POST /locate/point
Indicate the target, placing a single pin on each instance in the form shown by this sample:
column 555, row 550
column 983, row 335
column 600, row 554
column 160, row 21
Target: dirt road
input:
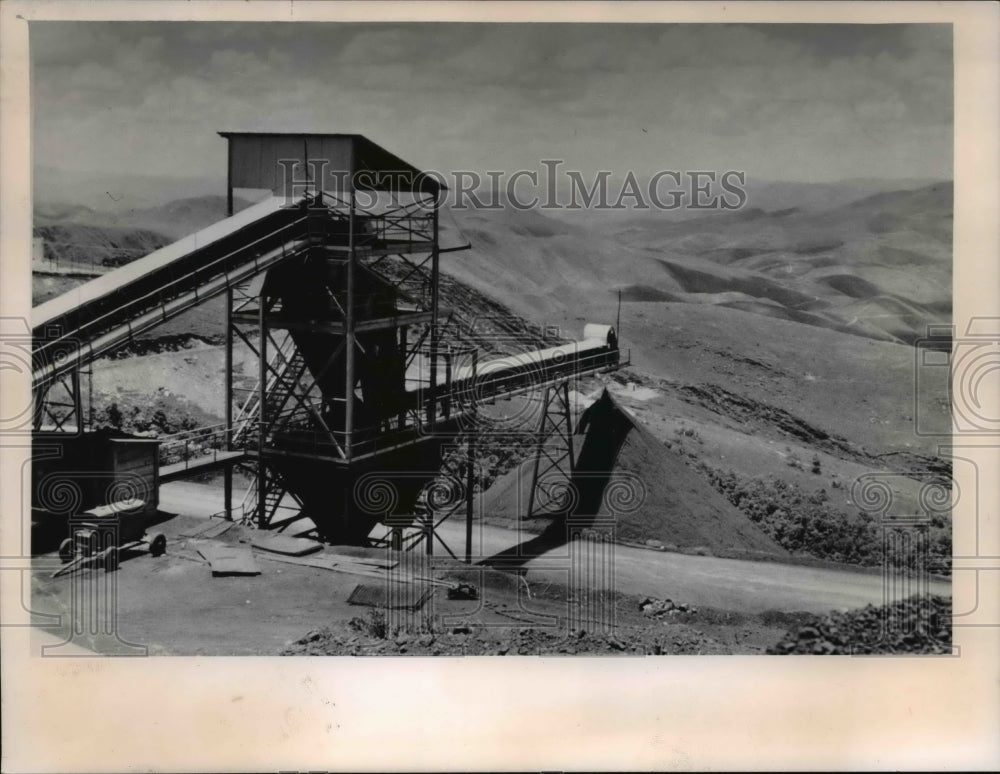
column 728, row 584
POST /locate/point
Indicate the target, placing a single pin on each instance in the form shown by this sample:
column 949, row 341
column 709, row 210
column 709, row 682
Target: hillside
column 794, row 308
column 101, row 247
column 174, row 219
column 878, row 267
column 768, row 351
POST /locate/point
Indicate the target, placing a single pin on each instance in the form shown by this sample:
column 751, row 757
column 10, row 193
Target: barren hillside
column 770, row 349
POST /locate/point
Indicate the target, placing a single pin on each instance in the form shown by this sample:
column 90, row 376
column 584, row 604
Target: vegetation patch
column 808, row 523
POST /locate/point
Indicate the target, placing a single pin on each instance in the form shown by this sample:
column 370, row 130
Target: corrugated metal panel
column 254, row 161
column 337, row 151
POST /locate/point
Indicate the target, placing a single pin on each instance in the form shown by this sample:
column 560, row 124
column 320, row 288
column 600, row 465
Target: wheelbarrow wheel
column 111, row 559
column 158, row 545
column 66, row 550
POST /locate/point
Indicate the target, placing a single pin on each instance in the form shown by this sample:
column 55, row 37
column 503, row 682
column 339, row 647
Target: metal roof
column 366, row 156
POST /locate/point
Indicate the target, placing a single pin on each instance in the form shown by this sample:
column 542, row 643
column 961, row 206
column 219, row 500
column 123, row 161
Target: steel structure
column 332, row 286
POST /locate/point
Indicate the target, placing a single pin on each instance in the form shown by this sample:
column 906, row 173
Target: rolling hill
column 878, row 267
column 758, row 338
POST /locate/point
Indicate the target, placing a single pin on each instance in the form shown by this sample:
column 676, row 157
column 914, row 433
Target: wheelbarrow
column 96, row 528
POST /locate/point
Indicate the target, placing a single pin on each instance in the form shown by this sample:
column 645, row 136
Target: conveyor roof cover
column 114, row 280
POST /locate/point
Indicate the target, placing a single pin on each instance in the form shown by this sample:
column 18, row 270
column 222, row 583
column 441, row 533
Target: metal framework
column 554, row 465
column 336, row 302
column 333, row 335
column 60, row 406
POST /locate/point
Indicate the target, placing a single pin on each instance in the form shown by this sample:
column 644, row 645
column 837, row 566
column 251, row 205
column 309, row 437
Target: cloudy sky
column 782, row 102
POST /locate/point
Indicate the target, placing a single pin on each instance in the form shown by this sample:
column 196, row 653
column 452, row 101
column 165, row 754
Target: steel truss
column 394, row 251
column 552, row 476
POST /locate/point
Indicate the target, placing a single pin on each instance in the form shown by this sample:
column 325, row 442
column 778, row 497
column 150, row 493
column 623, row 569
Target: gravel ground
column 357, row 639
column 913, row 625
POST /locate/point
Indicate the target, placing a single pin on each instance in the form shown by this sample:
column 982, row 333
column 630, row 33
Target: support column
column 262, row 430
column 446, row 400
column 229, row 177
column 556, row 421
column 349, row 335
column 90, row 397
column 77, row 399
column 228, row 445
column 470, row 478
column 435, row 256
column 38, row 407
column 403, row 352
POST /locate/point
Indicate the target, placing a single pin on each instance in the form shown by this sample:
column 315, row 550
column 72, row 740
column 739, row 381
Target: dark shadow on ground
column 604, row 430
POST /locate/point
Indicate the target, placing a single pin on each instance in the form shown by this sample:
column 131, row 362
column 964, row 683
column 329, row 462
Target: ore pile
column 466, row 640
column 624, row 476
column 913, row 625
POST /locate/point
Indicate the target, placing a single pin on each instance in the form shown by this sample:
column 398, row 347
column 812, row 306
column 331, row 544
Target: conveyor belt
column 94, row 319
column 101, row 315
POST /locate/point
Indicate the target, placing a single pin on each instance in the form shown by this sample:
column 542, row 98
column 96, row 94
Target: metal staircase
column 274, row 493
column 287, row 371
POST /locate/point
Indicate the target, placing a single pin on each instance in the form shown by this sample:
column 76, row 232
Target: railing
column 452, row 399
column 238, row 513
column 249, row 412
column 197, row 444
column 407, row 225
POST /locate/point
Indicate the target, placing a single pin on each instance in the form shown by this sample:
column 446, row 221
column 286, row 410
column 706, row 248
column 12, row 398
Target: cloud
column 928, row 37
column 771, row 99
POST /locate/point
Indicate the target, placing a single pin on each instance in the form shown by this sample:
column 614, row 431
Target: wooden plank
column 199, row 530
column 217, row 529
column 229, row 559
column 284, row 544
column 323, row 562
column 382, row 564
column 379, row 596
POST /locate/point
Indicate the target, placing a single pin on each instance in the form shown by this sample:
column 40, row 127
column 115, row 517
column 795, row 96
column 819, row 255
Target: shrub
column 375, row 624
column 808, row 523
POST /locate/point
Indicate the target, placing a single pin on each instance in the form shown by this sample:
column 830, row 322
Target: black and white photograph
column 495, row 339
column 643, row 387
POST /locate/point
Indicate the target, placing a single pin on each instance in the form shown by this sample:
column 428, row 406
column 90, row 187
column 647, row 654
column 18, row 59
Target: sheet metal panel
column 254, row 161
column 337, row 150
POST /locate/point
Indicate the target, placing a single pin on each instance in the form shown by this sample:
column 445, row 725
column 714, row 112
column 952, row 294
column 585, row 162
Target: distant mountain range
column 767, row 336
column 119, row 191
column 173, row 219
column 877, row 266
column 849, row 257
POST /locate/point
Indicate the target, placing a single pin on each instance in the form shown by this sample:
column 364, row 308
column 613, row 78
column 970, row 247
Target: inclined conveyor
column 99, row 316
